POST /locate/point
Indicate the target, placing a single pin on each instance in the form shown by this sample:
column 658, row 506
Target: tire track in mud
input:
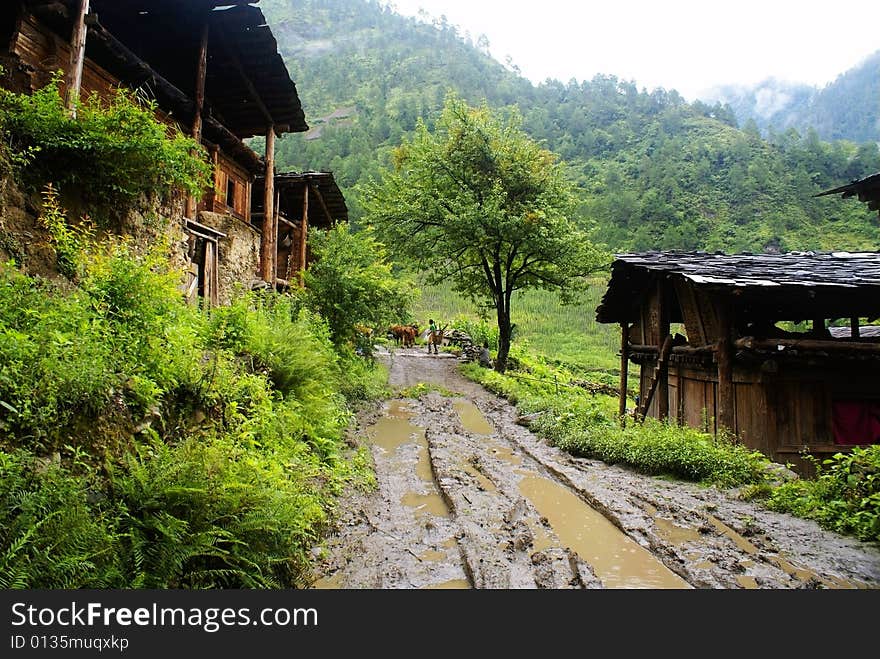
column 468, row 497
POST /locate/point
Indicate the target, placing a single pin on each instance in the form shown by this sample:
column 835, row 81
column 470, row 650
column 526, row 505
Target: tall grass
column 567, row 333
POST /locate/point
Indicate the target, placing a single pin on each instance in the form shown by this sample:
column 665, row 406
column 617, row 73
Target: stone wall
column 147, row 224
column 239, row 253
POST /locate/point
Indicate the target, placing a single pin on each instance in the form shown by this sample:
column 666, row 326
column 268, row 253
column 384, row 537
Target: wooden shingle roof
column 248, row 87
column 744, row 270
column 866, row 189
column 786, row 286
column 291, row 185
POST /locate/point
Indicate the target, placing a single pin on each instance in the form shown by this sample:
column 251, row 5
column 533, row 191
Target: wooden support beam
column 317, row 192
column 303, row 245
column 201, row 74
column 828, row 345
column 855, row 328
column 725, row 414
column 663, row 384
column 73, row 79
column 624, row 371
column 269, row 244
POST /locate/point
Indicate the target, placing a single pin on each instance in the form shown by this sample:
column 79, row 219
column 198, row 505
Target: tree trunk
column 504, row 332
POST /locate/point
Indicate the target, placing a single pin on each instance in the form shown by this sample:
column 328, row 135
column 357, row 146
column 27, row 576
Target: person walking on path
column 432, row 333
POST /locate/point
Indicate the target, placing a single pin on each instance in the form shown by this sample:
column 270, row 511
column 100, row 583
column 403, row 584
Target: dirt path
column 469, row 498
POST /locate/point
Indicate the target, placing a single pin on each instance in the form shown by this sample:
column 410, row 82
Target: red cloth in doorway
column 856, row 422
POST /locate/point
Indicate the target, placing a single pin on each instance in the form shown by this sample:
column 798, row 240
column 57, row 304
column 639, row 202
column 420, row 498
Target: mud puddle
column 403, row 535
column 395, row 431
column 472, row 420
column 617, row 560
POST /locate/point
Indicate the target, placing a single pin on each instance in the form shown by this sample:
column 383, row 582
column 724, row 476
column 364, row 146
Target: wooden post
column 725, row 412
column 818, row 327
column 201, row 74
column 624, row 371
column 855, row 328
column 73, row 79
column 663, row 383
column 268, row 247
column 303, row 246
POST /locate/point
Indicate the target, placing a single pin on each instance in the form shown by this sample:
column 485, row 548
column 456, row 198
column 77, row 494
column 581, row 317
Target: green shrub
column 113, row 152
column 68, row 241
column 844, row 496
column 212, row 441
column 351, row 284
column 211, row 513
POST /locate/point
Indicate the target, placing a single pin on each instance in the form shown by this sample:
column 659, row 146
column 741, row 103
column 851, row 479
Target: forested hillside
column 847, row 108
column 654, row 171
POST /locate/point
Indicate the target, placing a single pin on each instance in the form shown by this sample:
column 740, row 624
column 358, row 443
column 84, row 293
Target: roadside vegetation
column 844, row 496
column 145, row 443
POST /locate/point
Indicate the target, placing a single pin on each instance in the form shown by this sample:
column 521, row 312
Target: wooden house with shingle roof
column 705, row 329
column 214, row 69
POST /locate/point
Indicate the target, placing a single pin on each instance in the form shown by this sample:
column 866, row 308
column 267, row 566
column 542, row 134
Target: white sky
column 687, row 45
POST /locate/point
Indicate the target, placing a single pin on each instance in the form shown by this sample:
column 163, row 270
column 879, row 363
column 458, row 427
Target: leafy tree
column 351, row 283
column 477, row 201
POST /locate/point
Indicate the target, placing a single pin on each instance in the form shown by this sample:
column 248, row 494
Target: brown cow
column 405, row 335
column 397, row 333
column 409, row 336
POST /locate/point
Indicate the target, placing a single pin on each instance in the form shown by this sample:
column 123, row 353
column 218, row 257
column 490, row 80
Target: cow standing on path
column 405, row 335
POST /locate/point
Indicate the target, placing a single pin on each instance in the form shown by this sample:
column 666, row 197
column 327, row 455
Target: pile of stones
column 470, row 351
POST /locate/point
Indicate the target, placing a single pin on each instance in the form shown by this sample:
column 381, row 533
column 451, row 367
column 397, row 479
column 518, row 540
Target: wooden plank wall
column 698, row 401
column 224, row 170
column 47, row 53
column 801, row 412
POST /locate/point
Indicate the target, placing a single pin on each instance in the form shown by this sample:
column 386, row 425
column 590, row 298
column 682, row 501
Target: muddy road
column 469, row 498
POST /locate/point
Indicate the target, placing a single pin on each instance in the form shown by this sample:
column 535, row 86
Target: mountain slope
column 654, row 171
column 846, row 109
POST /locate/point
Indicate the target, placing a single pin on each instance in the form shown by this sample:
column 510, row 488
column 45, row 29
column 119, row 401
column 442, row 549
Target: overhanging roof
column 291, row 186
column 866, row 189
column 784, row 286
column 248, row 87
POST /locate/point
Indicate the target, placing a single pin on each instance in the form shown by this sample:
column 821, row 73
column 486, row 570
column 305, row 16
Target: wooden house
column 708, row 333
column 213, row 68
column 302, row 201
